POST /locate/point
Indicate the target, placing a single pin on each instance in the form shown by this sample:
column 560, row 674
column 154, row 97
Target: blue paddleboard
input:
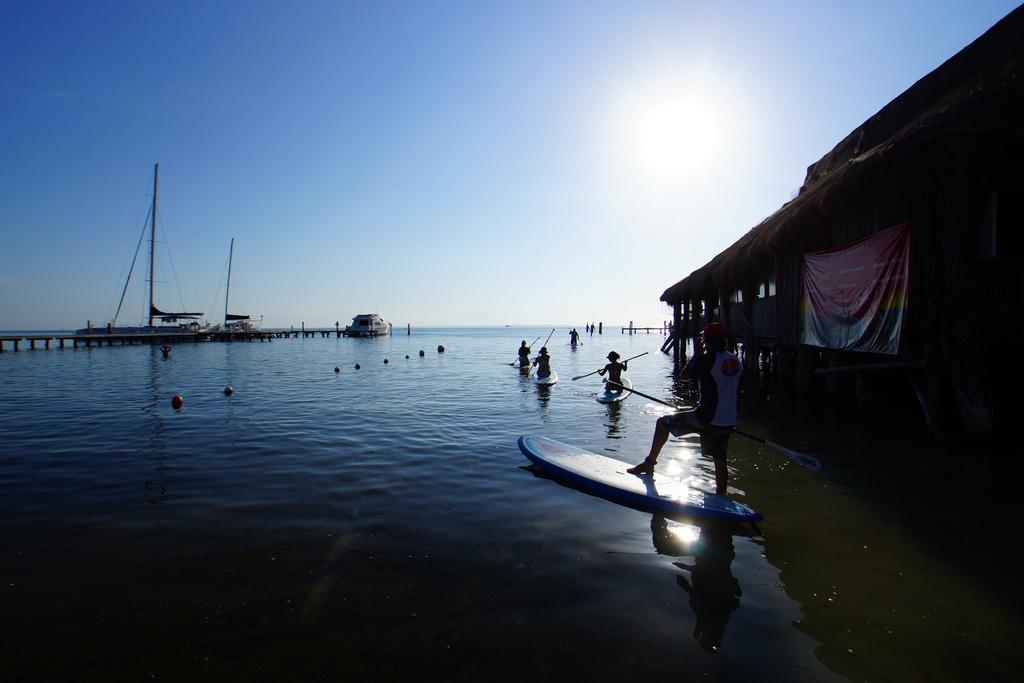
column 544, row 381
column 612, row 396
column 608, row 478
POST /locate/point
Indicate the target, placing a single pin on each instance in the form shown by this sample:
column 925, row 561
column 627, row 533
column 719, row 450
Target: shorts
column 713, row 440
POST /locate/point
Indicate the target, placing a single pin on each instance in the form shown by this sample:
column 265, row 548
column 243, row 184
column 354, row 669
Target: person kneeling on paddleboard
column 614, row 370
column 543, row 363
column 524, row 355
column 718, row 375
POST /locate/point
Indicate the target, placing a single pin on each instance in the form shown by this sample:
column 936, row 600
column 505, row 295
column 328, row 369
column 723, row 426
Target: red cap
column 715, row 331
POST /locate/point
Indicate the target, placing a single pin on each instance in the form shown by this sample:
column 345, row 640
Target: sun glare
column 670, row 134
column 671, row 137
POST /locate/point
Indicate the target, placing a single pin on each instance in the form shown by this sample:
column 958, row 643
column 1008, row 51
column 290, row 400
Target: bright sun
column 672, row 138
column 669, row 135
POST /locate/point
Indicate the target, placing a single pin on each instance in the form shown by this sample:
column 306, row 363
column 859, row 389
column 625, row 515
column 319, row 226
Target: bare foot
column 646, row 467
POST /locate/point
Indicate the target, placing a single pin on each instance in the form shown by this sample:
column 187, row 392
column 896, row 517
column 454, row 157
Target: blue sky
column 437, row 162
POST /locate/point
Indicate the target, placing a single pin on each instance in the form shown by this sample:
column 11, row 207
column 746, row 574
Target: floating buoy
column 440, row 349
column 357, row 366
column 177, row 402
column 421, row 353
column 385, row 361
column 228, row 391
column 337, row 369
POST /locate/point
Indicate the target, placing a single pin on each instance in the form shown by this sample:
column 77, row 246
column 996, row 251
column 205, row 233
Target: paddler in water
column 524, row 355
column 718, row 375
column 574, row 337
column 614, row 370
column 543, row 362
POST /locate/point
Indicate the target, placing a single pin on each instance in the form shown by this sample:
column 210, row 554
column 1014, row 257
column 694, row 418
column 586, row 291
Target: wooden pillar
column 677, row 329
column 806, row 362
column 833, row 382
column 683, row 327
column 751, row 347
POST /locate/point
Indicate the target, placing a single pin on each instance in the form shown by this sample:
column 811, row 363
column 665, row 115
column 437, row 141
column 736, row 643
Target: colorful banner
column 855, row 297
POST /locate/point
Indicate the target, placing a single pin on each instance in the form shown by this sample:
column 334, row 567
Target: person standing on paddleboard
column 543, row 362
column 524, row 355
column 614, row 369
column 718, row 375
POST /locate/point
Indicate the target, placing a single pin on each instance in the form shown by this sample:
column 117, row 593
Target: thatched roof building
column 947, row 157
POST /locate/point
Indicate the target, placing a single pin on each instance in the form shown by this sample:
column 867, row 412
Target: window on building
column 766, row 289
column 1002, row 228
column 736, row 297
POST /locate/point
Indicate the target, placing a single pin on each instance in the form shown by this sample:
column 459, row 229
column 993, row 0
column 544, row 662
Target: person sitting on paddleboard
column 524, row 355
column 543, row 362
column 614, row 370
column 718, row 375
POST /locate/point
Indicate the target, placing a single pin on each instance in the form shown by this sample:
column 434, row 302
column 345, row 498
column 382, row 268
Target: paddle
column 531, row 344
column 597, row 371
column 808, row 461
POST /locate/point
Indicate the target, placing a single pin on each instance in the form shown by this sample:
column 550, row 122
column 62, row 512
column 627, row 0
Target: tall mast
column 152, row 244
column 227, row 290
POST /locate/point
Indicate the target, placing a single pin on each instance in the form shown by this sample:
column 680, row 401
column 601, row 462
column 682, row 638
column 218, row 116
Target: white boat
column 184, row 322
column 367, row 325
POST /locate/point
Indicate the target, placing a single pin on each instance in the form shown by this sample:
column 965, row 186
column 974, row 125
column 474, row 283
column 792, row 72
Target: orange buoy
column 177, row 402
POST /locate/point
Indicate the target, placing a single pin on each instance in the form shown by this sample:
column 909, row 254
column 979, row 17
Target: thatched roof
column 981, row 88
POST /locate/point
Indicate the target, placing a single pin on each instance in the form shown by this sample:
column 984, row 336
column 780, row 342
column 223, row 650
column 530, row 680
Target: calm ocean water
column 380, row 523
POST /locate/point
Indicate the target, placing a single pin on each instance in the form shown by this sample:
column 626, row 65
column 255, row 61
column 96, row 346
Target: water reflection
column 544, row 394
column 156, row 487
column 613, row 419
column 714, row 591
column 684, row 390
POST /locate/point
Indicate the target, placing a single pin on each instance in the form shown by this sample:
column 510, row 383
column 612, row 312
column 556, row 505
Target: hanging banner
column 855, row 297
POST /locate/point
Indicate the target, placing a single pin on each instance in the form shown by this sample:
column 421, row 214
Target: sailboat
column 170, row 322
column 234, row 322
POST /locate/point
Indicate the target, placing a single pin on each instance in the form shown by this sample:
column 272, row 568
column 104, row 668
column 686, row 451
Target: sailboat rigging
column 234, row 322
column 171, row 321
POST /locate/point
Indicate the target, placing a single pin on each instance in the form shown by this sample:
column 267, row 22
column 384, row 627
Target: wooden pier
column 664, row 329
column 100, row 338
